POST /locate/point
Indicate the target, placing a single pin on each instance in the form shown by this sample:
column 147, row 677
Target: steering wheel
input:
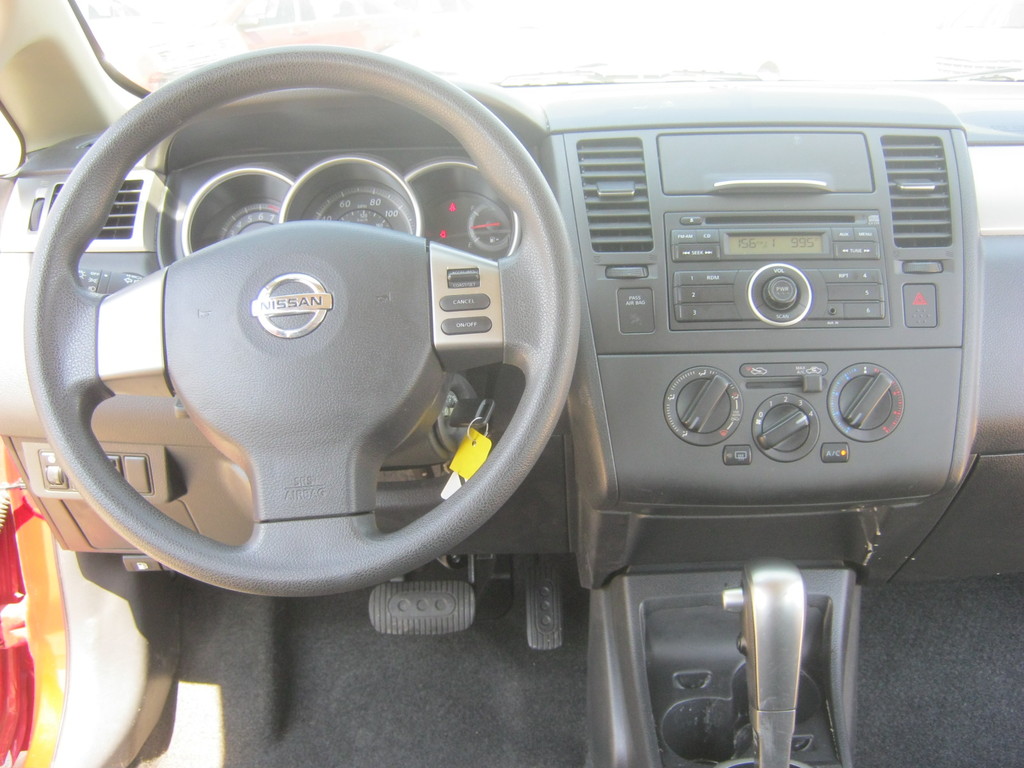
column 305, row 352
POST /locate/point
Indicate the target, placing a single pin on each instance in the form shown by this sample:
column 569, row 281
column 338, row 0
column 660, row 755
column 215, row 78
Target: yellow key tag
column 471, row 455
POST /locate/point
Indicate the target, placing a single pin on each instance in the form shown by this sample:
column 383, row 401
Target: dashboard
column 787, row 317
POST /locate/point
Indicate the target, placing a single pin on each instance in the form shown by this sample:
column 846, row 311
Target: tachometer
column 250, row 217
column 233, row 202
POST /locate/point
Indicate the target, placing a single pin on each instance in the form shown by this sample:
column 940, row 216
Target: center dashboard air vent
column 120, row 223
column 918, row 191
column 615, row 194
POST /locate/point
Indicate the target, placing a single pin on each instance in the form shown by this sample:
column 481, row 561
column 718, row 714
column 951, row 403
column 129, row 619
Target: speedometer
column 369, row 204
column 357, row 190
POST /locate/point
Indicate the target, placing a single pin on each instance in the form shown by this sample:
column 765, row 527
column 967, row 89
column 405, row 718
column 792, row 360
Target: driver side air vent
column 918, row 190
column 615, row 193
column 120, row 224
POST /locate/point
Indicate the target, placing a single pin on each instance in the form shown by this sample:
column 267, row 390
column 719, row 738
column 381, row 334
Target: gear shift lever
column 773, row 604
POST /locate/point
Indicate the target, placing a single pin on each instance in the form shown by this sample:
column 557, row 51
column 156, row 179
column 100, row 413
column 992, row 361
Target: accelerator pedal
column 543, row 605
column 422, row 607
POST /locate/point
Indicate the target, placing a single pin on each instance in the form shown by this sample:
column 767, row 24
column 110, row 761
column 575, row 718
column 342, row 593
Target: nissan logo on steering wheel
column 299, row 306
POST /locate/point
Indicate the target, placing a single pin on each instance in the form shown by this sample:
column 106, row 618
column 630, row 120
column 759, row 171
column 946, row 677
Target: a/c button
column 835, row 453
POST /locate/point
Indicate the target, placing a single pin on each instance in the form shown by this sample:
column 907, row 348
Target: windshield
column 537, row 42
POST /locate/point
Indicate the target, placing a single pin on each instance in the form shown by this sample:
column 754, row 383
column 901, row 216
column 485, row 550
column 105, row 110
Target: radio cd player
column 776, row 269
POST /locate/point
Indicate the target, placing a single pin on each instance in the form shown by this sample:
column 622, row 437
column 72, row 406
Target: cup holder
column 700, row 730
column 706, row 730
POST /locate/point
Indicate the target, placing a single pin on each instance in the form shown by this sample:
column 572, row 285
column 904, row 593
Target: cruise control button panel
column 465, row 292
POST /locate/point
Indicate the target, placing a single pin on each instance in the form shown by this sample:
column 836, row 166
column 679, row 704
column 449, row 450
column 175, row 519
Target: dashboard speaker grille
column 918, row 190
column 120, row 223
column 615, row 193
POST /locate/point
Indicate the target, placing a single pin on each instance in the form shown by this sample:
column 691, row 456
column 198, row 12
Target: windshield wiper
column 995, row 75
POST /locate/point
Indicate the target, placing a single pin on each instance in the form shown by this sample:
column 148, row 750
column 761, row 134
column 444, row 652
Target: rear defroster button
column 456, row 326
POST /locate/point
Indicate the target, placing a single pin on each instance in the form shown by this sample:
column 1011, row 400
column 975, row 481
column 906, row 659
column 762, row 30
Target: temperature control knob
column 865, row 402
column 785, row 427
column 703, row 406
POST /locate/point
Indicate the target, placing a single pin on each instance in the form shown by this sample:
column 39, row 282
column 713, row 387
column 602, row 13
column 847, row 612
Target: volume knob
column 779, row 294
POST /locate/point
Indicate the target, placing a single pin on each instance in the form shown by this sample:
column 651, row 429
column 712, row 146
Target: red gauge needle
column 485, row 226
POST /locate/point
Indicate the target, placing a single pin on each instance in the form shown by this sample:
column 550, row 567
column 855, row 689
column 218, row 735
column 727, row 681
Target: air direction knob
column 702, row 406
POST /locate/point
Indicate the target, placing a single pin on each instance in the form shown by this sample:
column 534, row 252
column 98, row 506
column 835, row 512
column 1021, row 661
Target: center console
column 779, row 366
column 778, row 319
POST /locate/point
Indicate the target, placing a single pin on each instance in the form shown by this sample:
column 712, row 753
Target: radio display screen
column 774, row 243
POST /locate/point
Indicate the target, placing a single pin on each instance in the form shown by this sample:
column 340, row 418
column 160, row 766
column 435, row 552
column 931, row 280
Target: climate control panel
column 776, row 427
column 703, row 406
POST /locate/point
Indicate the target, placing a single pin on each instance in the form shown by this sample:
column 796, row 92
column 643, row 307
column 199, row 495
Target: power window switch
column 136, row 472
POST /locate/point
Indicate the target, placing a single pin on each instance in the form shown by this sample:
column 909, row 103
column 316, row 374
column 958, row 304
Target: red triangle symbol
column 920, row 300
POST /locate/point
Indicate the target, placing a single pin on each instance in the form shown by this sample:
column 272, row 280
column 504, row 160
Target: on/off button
column 457, row 326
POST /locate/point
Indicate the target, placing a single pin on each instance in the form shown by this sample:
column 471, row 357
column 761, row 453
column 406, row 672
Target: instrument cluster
column 445, row 201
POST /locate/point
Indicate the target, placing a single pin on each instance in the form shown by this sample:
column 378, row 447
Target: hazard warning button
column 919, row 306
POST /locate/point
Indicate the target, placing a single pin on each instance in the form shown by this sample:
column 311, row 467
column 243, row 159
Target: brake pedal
column 422, row 607
column 543, row 605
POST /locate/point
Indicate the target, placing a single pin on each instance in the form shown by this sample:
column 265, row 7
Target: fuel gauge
column 490, row 228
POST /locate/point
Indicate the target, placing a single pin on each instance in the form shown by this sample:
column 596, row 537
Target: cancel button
column 465, row 302
column 455, row 326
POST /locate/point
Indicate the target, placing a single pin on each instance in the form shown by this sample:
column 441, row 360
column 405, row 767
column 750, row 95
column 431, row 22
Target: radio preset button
column 696, row 313
column 852, row 275
column 703, row 294
column 864, row 310
column 704, row 278
column 855, row 292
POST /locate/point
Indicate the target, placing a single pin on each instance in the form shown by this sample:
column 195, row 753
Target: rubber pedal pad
column 422, row 607
column 543, row 605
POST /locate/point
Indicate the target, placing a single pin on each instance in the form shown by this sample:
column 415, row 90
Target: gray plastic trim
column 130, row 354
